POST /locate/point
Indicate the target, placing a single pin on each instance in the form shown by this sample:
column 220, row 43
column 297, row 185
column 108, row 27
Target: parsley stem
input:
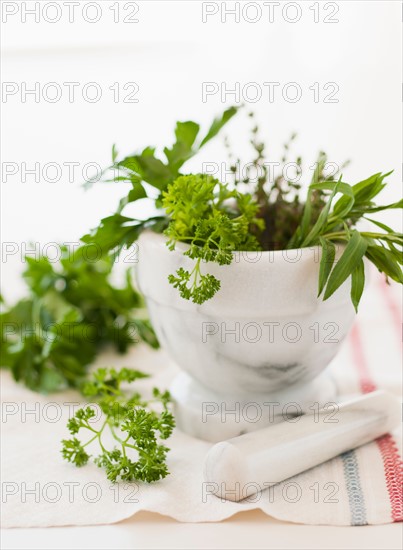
column 124, row 442
column 91, row 440
column 100, row 433
column 86, row 425
column 115, row 434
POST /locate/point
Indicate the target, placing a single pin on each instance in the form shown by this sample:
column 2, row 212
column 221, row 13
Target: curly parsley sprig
column 133, row 422
column 215, row 221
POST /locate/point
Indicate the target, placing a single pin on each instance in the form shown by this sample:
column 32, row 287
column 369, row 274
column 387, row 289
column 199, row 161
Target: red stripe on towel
column 367, row 385
column 393, row 474
column 392, row 462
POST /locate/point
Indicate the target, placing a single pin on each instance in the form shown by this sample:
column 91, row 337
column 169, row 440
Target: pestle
column 265, row 457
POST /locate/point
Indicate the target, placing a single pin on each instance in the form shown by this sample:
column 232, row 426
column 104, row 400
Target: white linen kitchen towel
column 360, row 487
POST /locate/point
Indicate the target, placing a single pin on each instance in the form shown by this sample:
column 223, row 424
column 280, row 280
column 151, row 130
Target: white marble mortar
column 265, row 337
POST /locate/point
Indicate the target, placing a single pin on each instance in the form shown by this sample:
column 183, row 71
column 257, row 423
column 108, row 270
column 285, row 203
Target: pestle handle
column 265, row 457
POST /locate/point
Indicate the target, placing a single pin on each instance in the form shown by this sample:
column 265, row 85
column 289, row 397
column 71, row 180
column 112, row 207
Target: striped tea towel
column 360, row 487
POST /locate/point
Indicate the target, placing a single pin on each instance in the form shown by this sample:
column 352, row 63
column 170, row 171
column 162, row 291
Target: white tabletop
column 248, row 530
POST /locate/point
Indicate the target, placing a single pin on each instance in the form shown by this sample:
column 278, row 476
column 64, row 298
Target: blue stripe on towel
column 354, row 489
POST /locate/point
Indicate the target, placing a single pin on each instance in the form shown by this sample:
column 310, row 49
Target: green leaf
column 347, row 263
column 326, row 262
column 181, row 151
column 306, row 218
column 373, row 209
column 381, row 225
column 393, row 237
column 114, row 232
column 218, row 123
column 323, row 216
column 386, row 262
column 154, row 171
column 114, row 154
column 357, row 284
column 320, row 165
column 136, row 193
column 39, row 274
column 397, row 254
column 345, row 203
column 366, row 190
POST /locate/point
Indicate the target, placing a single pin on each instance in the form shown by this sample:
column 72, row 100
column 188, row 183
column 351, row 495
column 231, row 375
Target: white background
column 169, row 53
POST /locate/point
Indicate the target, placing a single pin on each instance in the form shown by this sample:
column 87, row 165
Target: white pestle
column 240, row 467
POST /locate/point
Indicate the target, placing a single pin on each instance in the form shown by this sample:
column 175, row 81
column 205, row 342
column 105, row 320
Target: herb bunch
column 215, row 219
column 72, row 310
column 134, row 424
